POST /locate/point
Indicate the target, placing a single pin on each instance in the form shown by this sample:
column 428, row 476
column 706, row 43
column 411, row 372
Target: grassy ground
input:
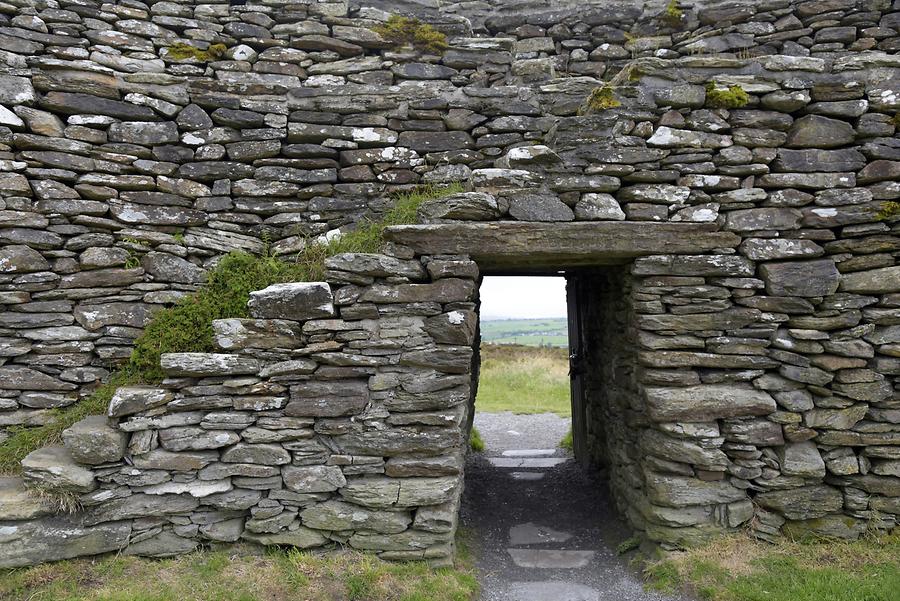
column 530, row 332
column 523, row 379
column 738, row 568
column 239, row 575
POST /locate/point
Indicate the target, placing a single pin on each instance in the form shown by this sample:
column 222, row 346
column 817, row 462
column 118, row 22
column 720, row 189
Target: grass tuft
column 673, row 15
column 568, row 441
column 476, row 442
column 407, row 31
column 732, row 97
column 187, row 326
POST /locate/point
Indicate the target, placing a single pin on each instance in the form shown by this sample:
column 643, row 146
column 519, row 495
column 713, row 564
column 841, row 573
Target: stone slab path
column 543, row 529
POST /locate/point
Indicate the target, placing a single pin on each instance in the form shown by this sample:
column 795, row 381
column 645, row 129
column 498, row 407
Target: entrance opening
column 554, row 376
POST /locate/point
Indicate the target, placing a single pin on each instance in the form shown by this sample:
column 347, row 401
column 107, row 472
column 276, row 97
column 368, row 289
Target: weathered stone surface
column 57, row 538
column 801, row 278
column 466, row 206
column 706, row 402
column 380, row 492
column 207, row 364
column 312, row 479
column 328, row 399
column 876, row 281
column 18, row 503
column 54, row 469
column 93, row 441
column 679, row 491
column 297, row 301
column 802, row 503
column 801, row 459
column 302, row 538
column 337, row 515
column 815, row 131
column 128, row 400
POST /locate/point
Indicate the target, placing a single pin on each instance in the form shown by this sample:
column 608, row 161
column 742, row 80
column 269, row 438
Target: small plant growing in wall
column 673, row 15
column 731, row 97
column 407, row 31
column 602, row 99
column 181, row 51
column 896, row 120
column 889, row 211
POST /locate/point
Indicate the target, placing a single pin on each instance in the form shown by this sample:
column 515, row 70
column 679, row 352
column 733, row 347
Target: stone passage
column 721, row 181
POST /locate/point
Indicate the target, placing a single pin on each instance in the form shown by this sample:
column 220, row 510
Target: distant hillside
column 531, row 332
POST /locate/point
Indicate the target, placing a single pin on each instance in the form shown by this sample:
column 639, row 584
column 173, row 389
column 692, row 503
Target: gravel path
column 542, row 533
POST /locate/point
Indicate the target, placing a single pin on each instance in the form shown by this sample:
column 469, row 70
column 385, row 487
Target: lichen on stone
column 408, row 31
column 603, row 98
column 182, row 51
column 732, row 97
column 890, row 210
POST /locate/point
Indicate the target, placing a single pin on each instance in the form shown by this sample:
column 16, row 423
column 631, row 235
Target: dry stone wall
column 757, row 379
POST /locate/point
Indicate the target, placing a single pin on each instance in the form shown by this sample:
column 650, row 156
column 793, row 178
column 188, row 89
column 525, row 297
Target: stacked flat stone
column 759, row 378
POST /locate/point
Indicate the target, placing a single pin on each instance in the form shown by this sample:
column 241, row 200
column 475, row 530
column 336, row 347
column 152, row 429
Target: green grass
column 476, row 442
column 523, row 379
column 530, row 332
column 187, row 327
column 240, row 574
column 738, row 568
column 568, row 441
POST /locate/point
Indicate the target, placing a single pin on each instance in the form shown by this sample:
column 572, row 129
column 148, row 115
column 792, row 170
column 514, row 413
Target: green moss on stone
column 603, row 98
column 890, row 210
column 732, row 97
column 673, row 15
column 407, row 31
column 181, row 51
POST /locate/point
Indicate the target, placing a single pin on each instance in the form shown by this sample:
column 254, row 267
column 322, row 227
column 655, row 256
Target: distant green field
column 530, row 332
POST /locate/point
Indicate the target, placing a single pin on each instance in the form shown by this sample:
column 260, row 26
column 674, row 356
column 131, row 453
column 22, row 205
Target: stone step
column 527, row 476
column 529, row 453
column 533, row 534
column 526, row 462
column 53, row 468
column 552, row 590
column 550, row 558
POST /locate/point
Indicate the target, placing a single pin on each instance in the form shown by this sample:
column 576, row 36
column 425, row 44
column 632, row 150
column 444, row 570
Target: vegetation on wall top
column 187, row 326
column 407, row 31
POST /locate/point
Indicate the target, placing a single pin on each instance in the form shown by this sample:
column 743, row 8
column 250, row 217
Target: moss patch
column 890, row 210
column 181, row 51
column 672, row 15
column 603, row 98
column 187, row 327
column 568, row 441
column 407, row 31
column 732, row 97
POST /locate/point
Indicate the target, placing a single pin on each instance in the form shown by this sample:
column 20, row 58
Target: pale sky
column 522, row 297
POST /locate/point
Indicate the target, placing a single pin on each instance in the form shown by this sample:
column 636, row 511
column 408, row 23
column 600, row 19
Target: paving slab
column 528, row 453
column 525, row 463
column 534, row 534
column 552, row 591
column 530, row 476
column 550, row 558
